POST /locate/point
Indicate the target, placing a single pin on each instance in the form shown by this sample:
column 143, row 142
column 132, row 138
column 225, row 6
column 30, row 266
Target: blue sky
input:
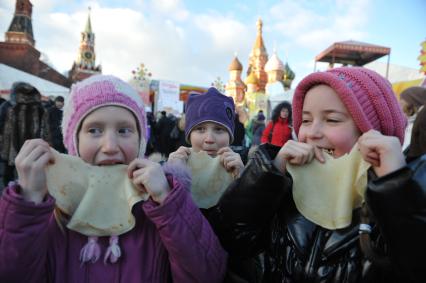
column 193, row 42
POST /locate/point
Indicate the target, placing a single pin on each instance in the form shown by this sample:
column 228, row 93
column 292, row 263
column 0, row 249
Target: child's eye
column 305, row 121
column 200, row 129
column 219, row 130
column 333, row 121
column 95, row 131
column 125, row 131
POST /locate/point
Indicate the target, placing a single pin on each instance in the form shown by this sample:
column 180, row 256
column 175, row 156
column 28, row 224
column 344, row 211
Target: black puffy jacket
column 257, row 214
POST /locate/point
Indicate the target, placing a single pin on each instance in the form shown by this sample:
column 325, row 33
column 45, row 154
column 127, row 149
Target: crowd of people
column 329, row 191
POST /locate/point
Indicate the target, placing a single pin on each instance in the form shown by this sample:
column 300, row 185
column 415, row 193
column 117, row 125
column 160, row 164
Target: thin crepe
column 98, row 199
column 326, row 194
column 209, row 179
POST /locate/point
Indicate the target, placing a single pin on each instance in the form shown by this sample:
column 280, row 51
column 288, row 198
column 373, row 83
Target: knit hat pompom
column 368, row 97
column 210, row 107
column 95, row 92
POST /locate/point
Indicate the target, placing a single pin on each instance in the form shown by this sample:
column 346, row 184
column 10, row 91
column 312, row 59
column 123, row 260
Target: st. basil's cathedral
column 266, row 77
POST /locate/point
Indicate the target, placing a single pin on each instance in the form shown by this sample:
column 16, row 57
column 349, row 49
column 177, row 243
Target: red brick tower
column 18, row 50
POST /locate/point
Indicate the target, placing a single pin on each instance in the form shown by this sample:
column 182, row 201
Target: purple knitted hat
column 95, row 92
column 367, row 96
column 210, row 107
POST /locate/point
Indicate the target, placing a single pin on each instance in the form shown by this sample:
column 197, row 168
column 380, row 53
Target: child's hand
column 30, row 164
column 181, row 154
column 149, row 177
column 384, row 153
column 297, row 153
column 231, row 161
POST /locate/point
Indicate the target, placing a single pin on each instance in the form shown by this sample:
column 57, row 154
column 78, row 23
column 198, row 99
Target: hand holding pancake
column 149, row 177
column 30, row 164
column 297, row 153
column 181, row 154
column 231, row 161
column 383, row 152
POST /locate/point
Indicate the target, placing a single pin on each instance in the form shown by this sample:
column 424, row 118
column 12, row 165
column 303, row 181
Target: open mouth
column 329, row 151
column 109, row 162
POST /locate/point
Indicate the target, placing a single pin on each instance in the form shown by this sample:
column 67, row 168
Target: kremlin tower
column 18, row 50
column 85, row 65
column 21, row 27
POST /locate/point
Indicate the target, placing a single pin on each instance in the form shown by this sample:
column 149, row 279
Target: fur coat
column 27, row 119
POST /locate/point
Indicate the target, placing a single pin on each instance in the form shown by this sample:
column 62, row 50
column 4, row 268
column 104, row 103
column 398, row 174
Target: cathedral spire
column 258, row 58
column 21, row 28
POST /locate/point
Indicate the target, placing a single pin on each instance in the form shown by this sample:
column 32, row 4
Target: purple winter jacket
column 171, row 242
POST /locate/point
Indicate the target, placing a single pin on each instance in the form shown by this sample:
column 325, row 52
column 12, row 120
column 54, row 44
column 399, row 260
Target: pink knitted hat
column 95, row 92
column 367, row 96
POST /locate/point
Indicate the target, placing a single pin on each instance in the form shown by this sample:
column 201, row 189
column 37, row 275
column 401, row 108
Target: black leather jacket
column 257, row 214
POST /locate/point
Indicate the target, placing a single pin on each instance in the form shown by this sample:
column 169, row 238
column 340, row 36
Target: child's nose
column 209, row 137
column 315, row 131
column 110, row 143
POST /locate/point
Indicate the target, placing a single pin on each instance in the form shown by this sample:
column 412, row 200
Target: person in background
column 239, row 145
column 163, row 129
column 279, row 129
column 55, row 120
column 177, row 135
column 151, row 143
column 417, row 147
column 258, row 126
column 412, row 100
column 24, row 118
column 37, row 245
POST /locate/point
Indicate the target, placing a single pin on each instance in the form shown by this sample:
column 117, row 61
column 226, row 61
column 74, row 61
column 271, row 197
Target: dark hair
column 25, row 88
column 59, row 99
column 277, row 110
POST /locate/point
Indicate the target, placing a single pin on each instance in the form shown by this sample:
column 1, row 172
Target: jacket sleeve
column 23, row 237
column 398, row 203
column 265, row 133
column 195, row 252
column 243, row 215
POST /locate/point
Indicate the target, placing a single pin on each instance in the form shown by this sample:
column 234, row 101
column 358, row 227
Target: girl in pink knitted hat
column 104, row 125
column 340, row 204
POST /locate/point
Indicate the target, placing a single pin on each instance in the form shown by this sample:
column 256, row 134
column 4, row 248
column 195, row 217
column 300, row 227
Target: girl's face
column 326, row 123
column 109, row 135
column 209, row 137
column 406, row 107
column 284, row 113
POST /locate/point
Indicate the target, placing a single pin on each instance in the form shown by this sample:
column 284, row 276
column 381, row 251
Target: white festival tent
column 10, row 75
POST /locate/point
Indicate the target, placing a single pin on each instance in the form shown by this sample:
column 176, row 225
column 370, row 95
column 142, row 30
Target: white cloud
column 189, row 47
column 186, row 48
column 317, row 28
column 43, row 6
column 174, row 9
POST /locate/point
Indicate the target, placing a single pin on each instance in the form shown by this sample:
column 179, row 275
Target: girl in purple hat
column 104, row 124
column 340, row 204
column 209, row 127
